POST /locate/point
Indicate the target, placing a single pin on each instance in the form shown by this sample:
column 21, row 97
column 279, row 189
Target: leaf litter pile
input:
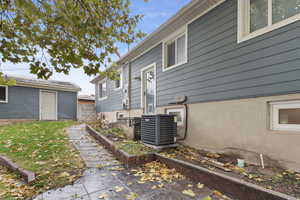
column 273, row 178
column 11, row 187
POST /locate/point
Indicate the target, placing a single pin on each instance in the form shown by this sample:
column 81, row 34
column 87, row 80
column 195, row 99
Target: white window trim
column 105, row 97
column 6, row 94
column 180, row 110
column 121, row 80
column 171, row 38
column 275, row 106
column 243, row 21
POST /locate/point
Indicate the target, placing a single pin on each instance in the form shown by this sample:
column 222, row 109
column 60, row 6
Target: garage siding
column 24, row 103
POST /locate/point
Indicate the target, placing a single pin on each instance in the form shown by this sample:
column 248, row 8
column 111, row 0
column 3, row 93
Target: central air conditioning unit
column 158, row 130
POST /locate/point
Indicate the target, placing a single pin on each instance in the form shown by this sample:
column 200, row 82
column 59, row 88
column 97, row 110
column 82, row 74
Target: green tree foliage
column 71, row 33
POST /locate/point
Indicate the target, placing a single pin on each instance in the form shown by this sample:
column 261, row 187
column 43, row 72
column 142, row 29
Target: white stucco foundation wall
column 239, row 126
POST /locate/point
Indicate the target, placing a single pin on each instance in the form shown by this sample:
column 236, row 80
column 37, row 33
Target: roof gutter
column 46, row 86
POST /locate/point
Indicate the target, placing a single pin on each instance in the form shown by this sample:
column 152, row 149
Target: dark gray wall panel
column 219, row 68
column 23, row 103
column 67, row 105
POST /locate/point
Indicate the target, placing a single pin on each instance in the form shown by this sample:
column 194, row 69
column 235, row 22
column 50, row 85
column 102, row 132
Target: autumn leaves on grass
column 41, row 147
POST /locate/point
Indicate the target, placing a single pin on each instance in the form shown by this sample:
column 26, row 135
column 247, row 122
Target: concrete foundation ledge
column 28, row 176
column 233, row 187
column 127, row 159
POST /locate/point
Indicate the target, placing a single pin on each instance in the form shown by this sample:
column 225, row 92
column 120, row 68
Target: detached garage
column 33, row 99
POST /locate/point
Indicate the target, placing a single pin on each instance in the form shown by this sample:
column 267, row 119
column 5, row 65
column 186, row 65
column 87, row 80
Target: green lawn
column 41, row 147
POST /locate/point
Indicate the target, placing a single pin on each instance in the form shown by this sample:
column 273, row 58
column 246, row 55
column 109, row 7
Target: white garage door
column 48, row 105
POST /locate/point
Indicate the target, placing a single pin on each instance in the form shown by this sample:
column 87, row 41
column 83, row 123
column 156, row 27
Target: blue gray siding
column 152, row 56
column 67, row 105
column 113, row 102
column 220, row 68
column 23, row 103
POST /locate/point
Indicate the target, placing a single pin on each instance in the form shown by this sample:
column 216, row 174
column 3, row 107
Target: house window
column 118, row 81
column 175, row 51
column 102, row 89
column 257, row 17
column 285, row 115
column 3, row 94
column 178, row 113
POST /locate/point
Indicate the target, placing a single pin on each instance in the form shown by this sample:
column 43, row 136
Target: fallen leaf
column 119, row 189
column 207, row 198
column 259, row 179
column 141, row 182
column 103, row 196
column 190, row 185
column 64, row 174
column 131, row 196
column 154, row 187
column 200, row 186
column 189, row 192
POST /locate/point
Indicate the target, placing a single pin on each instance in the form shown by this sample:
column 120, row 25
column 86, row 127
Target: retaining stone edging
column 226, row 184
column 28, row 176
column 127, row 159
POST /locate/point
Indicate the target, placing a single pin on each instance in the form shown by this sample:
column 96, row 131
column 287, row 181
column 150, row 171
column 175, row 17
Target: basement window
column 285, row 115
column 3, row 94
column 256, row 17
column 178, row 113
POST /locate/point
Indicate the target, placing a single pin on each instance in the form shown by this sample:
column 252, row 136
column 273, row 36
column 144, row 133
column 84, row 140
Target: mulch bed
column 273, row 178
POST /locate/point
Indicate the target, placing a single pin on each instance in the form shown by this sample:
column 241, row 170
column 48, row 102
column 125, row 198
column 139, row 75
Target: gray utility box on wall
column 158, row 130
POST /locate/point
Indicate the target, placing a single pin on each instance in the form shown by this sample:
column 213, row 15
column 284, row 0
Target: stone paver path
column 97, row 181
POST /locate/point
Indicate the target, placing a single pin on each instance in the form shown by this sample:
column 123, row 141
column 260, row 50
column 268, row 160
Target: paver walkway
column 96, row 181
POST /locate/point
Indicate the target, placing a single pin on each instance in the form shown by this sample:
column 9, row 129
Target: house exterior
column 238, row 64
column 32, row 99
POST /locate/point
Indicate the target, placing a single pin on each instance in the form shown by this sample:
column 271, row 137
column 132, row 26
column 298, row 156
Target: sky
column 155, row 12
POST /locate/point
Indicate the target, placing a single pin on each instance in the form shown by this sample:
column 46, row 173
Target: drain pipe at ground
column 262, row 161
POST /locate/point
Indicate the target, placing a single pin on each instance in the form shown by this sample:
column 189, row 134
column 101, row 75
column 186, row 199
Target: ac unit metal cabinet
column 158, row 130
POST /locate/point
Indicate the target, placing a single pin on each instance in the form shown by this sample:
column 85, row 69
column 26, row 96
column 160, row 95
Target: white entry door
column 149, row 89
column 48, row 105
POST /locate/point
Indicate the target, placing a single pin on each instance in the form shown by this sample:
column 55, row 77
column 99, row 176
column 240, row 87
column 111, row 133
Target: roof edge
column 184, row 10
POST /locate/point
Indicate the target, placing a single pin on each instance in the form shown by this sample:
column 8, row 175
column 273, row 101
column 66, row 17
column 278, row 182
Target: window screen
column 181, row 49
column 283, row 9
column 171, row 54
column 258, row 14
column 118, row 81
column 102, row 90
column 3, row 96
